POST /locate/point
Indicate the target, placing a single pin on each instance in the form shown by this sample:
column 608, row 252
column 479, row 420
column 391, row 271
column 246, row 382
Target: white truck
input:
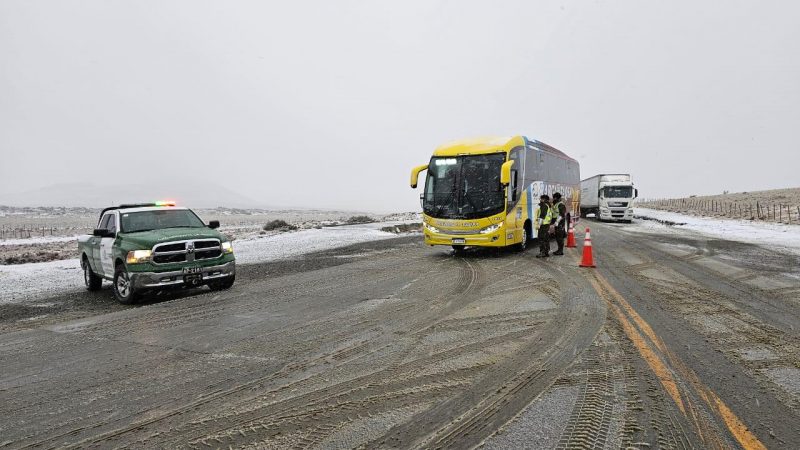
column 608, row 197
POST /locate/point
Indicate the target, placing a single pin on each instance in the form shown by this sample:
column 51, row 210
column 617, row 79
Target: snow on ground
column 26, row 282
column 288, row 245
column 23, row 282
column 764, row 233
column 38, row 240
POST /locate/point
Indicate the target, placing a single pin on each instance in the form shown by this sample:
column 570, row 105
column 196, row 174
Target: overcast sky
column 330, row 104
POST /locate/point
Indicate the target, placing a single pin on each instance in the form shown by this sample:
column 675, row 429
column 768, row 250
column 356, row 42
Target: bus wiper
column 468, row 196
column 443, row 204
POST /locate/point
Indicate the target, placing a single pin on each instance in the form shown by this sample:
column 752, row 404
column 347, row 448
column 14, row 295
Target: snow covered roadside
column 26, row 282
column 764, row 233
column 23, row 282
column 39, row 240
column 288, row 245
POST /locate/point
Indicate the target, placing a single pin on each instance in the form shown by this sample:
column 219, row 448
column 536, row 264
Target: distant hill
column 196, row 194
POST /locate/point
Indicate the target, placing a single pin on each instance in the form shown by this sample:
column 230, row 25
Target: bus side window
column 514, row 185
column 516, row 173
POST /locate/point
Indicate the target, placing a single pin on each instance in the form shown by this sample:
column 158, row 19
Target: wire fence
column 33, row 231
column 771, row 212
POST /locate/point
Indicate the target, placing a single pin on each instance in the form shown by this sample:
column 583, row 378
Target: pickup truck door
column 94, row 245
column 107, row 247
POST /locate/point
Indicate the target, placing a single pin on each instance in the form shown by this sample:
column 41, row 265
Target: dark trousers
column 544, row 240
column 561, row 233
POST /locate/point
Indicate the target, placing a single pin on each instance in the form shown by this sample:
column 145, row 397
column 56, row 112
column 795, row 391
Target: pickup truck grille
column 187, row 251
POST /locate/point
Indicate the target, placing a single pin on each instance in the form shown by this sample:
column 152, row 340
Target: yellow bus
column 485, row 191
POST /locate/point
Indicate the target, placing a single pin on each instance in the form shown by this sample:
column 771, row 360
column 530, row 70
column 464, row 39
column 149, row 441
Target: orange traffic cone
column 571, row 236
column 588, row 259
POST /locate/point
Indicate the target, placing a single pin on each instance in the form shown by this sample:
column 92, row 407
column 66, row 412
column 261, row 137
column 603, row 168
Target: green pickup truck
column 154, row 246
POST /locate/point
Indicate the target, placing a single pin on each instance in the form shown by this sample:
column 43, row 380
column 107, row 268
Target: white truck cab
column 609, row 197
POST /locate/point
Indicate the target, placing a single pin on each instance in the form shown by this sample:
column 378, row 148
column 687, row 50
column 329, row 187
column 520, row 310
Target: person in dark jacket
column 544, row 220
column 559, row 222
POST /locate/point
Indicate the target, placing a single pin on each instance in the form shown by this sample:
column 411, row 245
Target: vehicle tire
column 524, row 243
column 92, row 281
column 123, row 289
column 458, row 249
column 222, row 285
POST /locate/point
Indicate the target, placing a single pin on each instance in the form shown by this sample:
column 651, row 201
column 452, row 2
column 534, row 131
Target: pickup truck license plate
column 188, row 270
column 459, row 241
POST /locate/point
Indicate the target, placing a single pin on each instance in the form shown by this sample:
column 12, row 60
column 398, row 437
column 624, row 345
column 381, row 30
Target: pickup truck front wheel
column 123, row 288
column 92, row 281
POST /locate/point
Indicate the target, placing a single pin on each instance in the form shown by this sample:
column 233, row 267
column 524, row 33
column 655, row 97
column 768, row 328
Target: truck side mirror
column 505, row 172
column 635, row 193
column 415, row 174
column 214, row 224
column 102, row 232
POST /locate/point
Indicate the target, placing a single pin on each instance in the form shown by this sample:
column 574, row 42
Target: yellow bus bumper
column 495, row 239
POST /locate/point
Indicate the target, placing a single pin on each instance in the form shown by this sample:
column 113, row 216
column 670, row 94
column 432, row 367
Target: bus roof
column 479, row 146
column 493, row 144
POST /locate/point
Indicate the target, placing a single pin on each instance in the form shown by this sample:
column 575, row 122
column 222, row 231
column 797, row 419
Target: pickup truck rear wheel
column 92, row 281
column 123, row 288
column 222, row 285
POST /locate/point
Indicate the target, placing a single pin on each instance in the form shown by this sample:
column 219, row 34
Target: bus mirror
column 415, row 174
column 505, row 172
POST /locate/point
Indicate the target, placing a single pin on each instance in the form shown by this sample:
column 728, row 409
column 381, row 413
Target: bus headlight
column 492, row 228
column 227, row 247
column 431, row 228
column 138, row 256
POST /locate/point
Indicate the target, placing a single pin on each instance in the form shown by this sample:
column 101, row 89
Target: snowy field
column 774, row 235
column 26, row 282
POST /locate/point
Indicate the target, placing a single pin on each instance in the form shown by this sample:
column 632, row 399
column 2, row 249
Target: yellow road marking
column 658, row 365
column 644, row 326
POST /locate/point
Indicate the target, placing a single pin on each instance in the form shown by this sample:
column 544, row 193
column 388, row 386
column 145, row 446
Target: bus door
column 515, row 219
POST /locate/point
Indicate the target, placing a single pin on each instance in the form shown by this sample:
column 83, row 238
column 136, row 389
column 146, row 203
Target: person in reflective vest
column 559, row 214
column 544, row 219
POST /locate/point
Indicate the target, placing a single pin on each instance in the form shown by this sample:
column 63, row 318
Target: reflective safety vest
column 548, row 217
column 555, row 211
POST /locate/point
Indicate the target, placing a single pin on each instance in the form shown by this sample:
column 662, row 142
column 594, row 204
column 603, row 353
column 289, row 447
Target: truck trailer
column 608, row 197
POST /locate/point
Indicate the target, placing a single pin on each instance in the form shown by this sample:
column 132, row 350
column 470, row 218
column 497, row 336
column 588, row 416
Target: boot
column 559, row 253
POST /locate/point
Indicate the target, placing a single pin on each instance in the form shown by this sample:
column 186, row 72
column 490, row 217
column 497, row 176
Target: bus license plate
column 459, row 241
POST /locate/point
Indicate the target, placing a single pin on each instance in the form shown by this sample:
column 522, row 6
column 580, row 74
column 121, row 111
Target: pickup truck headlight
column 227, row 247
column 492, row 228
column 431, row 228
column 139, row 256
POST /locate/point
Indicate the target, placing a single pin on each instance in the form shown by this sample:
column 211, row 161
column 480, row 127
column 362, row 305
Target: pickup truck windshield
column 133, row 222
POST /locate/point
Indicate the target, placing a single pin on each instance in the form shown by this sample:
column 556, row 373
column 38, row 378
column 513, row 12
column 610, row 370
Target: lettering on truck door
column 107, row 247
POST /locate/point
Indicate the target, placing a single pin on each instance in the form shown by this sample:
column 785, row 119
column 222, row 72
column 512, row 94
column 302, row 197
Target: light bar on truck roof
column 165, row 203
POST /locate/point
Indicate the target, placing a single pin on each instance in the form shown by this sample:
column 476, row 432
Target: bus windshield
column 134, row 222
column 464, row 187
column 618, row 191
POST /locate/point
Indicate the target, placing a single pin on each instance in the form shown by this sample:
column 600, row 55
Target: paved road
column 673, row 342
